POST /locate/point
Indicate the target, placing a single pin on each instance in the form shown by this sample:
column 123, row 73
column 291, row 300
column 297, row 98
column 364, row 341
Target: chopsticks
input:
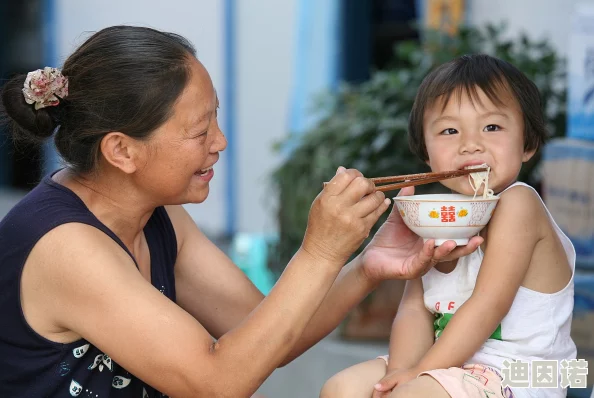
column 411, row 180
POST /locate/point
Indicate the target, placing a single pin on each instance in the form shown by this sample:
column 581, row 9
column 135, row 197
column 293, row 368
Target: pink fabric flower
column 45, row 87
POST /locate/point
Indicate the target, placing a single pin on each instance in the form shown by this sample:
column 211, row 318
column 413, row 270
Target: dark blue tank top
column 34, row 367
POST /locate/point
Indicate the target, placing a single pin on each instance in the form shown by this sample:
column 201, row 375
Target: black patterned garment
column 34, row 367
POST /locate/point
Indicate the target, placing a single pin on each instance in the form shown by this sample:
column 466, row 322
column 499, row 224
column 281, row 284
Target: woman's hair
column 467, row 74
column 123, row 78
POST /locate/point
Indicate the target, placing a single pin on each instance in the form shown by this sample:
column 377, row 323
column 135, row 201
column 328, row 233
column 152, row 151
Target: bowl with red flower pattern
column 446, row 217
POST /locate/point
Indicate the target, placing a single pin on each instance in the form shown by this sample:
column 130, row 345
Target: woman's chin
column 198, row 195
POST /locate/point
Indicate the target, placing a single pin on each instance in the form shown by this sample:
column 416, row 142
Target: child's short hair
column 494, row 77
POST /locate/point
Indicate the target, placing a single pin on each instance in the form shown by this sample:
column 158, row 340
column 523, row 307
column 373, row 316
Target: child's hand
column 391, row 380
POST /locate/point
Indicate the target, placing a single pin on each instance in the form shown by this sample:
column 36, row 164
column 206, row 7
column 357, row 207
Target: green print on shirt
column 441, row 320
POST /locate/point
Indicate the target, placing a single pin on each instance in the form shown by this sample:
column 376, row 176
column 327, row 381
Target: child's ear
column 528, row 155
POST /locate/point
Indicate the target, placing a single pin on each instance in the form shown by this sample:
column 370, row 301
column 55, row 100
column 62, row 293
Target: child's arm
column 514, row 231
column 412, row 332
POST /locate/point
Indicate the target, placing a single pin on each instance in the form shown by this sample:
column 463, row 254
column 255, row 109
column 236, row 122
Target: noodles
column 479, row 178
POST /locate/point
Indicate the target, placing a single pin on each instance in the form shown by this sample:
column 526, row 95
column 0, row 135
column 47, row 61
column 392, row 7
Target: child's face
column 468, row 133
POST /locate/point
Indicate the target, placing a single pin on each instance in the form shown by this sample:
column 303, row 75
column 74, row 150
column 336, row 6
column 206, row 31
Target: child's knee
column 356, row 381
column 423, row 386
column 409, row 390
column 336, row 386
column 404, row 391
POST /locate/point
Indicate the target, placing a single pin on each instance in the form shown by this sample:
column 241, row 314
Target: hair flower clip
column 45, row 87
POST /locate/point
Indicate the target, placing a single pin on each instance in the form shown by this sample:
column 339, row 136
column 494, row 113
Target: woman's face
column 182, row 152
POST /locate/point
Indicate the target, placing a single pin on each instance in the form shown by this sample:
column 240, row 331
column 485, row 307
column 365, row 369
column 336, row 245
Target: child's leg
column 422, row 386
column 470, row 381
column 356, row 381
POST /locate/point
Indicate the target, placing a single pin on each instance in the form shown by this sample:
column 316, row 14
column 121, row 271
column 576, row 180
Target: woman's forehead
column 199, row 98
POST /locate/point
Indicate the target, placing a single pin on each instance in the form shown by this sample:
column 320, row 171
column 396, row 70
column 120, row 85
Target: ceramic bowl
column 446, row 216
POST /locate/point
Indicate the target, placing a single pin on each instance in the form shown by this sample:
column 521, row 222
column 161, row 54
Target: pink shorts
column 469, row 381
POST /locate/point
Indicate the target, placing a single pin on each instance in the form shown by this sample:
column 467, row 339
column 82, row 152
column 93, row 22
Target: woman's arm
column 205, row 275
column 412, row 333
column 83, row 282
column 198, row 285
column 394, row 253
column 514, row 231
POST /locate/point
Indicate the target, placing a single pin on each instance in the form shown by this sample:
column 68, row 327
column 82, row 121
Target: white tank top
column 536, row 327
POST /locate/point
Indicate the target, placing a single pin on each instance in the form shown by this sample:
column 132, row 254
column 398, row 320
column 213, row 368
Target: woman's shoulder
column 77, row 242
column 184, row 227
column 193, row 246
column 47, row 223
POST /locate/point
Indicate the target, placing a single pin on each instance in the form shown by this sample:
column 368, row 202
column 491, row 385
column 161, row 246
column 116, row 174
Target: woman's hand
column 398, row 253
column 342, row 215
column 393, row 379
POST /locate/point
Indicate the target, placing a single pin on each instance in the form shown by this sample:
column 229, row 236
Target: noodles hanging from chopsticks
column 480, row 178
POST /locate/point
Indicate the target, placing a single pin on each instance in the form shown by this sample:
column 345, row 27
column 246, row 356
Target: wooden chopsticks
column 410, row 180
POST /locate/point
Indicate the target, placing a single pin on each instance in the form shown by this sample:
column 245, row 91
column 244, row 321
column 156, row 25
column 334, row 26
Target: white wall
column 538, row 18
column 265, row 48
column 200, row 21
column 266, row 36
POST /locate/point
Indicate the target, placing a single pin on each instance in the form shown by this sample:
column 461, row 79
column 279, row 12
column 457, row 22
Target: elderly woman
column 107, row 286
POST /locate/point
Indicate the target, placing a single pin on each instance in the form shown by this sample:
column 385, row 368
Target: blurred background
column 306, row 86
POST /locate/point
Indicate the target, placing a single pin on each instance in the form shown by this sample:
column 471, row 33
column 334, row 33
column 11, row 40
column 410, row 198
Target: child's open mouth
column 476, row 166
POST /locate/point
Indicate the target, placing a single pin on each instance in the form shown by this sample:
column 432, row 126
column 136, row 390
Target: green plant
column 364, row 126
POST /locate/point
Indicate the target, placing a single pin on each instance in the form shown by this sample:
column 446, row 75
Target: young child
column 510, row 300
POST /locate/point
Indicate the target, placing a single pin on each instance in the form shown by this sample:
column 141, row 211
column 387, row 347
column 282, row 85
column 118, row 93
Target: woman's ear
column 121, row 151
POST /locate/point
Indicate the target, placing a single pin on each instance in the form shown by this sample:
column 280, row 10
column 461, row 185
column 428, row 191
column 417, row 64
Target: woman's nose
column 220, row 142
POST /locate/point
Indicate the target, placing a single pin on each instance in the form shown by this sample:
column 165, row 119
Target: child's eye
column 492, row 127
column 449, row 131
